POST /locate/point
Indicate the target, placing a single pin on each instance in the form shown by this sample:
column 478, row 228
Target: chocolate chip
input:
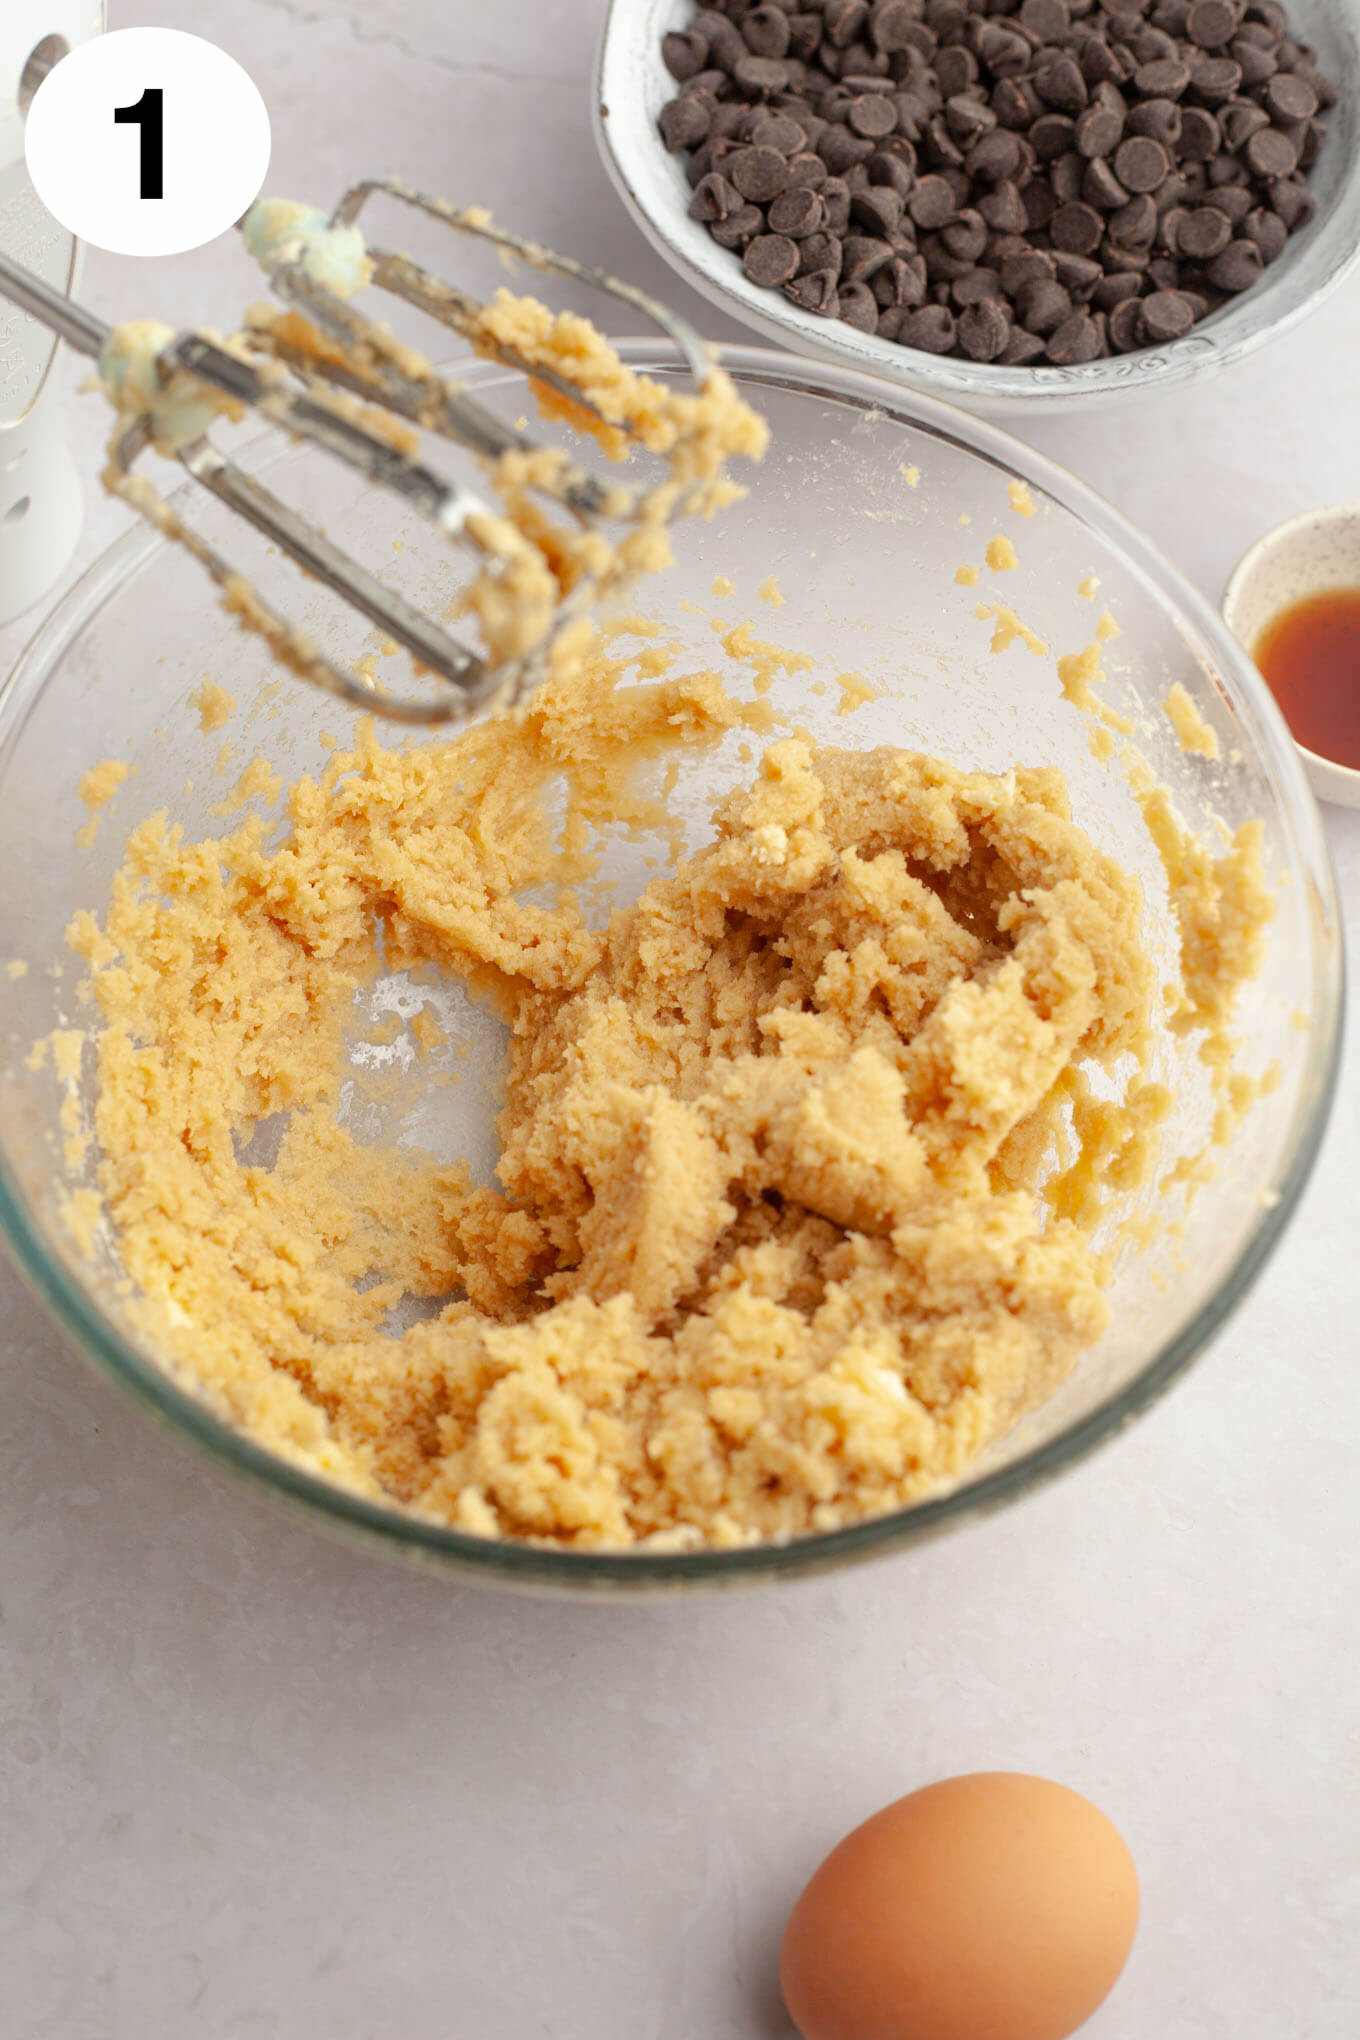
column 931, row 203
column 1239, row 120
column 1141, row 163
column 1310, row 146
column 858, row 307
column 727, row 120
column 864, row 255
column 965, row 235
column 893, row 24
column 1043, row 305
column 766, row 31
column 1049, row 21
column 1237, row 268
column 877, row 210
column 759, row 174
column 1034, row 266
column 1200, row 138
column 684, row 52
column 932, row 329
column 807, row 169
column 1167, row 314
column 1098, row 132
column 1125, row 326
column 1227, row 169
column 714, row 198
column 939, row 146
column 708, row 156
column 1015, row 103
column 838, row 149
column 1098, row 61
column 762, row 75
column 771, row 259
column 797, row 213
column 1322, row 85
column 1160, row 118
column 1003, row 209
column 1040, row 205
column 968, row 119
column 1169, row 226
column 1203, row 234
column 775, row 131
column 1052, row 135
column 1255, row 64
column 994, row 157
column 1062, row 85
column 1005, row 52
column 845, row 21
column 1232, row 200
column 893, row 173
column 1134, row 225
column 1150, row 44
column 1101, row 188
column 1163, row 78
column 1076, row 340
column 1214, row 79
column 1116, row 289
column 1270, row 154
column 1021, row 349
column 983, row 330
column 820, row 251
column 1065, row 177
column 684, row 123
column 805, row 35
column 836, row 199
column 955, row 70
column 901, row 281
column 1077, row 273
column 1267, row 230
column 1293, row 201
column 736, row 229
column 975, row 285
column 1210, row 23
column 1272, row 14
column 815, row 292
column 872, row 115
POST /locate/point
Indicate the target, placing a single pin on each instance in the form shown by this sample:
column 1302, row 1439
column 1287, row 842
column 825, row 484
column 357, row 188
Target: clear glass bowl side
column 866, row 565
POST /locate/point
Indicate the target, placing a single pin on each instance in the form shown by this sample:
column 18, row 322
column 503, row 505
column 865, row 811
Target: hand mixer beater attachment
column 304, row 369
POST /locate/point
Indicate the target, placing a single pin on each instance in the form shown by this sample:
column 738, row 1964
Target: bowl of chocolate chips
column 1011, row 203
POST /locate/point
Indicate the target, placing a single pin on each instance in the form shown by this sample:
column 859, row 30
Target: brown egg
column 991, row 1907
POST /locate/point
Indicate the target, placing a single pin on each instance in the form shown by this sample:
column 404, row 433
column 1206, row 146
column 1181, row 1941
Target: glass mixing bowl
column 870, row 499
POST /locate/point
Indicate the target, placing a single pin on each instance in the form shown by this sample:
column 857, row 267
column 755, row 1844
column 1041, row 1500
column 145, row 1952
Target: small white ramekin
column 1306, row 556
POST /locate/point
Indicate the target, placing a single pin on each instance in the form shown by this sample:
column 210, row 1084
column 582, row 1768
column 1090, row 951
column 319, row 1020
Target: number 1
column 148, row 114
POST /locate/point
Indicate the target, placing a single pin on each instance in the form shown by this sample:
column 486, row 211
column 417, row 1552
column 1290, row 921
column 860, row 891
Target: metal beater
column 367, row 364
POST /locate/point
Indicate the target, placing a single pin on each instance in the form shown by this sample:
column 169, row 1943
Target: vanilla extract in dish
column 1310, row 657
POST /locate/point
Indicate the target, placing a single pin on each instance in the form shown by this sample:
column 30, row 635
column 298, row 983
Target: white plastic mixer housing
column 40, row 490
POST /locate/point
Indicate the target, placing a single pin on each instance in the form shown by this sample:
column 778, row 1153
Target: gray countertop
column 254, row 1784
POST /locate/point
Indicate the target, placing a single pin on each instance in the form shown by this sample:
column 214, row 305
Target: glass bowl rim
column 545, row 1568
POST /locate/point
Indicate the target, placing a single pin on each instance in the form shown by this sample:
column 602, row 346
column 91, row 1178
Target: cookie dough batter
column 785, row 1230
